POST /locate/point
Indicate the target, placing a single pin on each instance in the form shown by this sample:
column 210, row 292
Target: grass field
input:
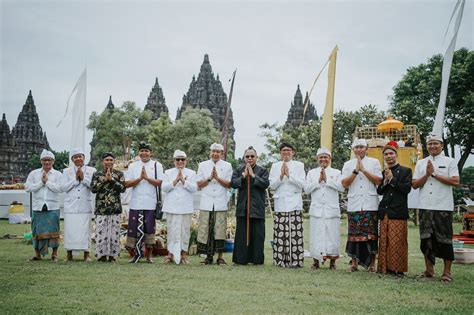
column 46, row 288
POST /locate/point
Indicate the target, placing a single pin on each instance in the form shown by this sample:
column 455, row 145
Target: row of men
column 362, row 176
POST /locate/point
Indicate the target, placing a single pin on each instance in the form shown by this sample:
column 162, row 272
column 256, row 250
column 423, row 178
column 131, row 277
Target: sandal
column 372, row 269
column 446, row 278
column 184, row 261
column 207, row 261
column 150, row 260
column 333, row 266
column 425, row 274
column 103, row 259
column 168, row 260
column 352, row 268
column 221, row 261
column 315, row 266
column 34, row 258
column 54, row 258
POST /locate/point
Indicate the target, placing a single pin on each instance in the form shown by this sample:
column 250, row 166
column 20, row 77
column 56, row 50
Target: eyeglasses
column 180, row 160
column 249, row 156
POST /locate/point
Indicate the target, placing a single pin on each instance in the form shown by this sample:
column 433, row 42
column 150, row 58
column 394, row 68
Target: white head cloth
column 323, row 150
column 179, row 153
column 433, row 137
column 77, row 151
column 217, row 147
column 359, row 142
column 45, row 154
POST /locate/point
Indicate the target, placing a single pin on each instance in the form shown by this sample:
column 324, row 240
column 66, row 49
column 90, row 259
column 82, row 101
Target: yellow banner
column 327, row 122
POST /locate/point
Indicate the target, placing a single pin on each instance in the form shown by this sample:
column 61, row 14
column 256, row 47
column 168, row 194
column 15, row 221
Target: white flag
column 78, row 125
column 447, row 62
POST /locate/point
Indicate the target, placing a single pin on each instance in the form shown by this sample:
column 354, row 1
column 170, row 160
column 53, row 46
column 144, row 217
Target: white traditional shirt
column 434, row 195
column 287, row 191
column 362, row 194
column 78, row 198
column 45, row 194
column 179, row 198
column 324, row 195
column 214, row 196
column 144, row 194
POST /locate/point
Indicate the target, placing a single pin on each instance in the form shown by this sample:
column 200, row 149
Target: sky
column 275, row 45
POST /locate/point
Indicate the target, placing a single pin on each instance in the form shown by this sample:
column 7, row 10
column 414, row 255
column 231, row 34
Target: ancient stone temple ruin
column 206, row 92
column 156, row 101
column 18, row 146
column 295, row 114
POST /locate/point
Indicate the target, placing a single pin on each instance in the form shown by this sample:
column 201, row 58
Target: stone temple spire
column 295, row 114
column 206, row 92
column 156, row 101
column 110, row 105
column 9, row 154
column 28, row 134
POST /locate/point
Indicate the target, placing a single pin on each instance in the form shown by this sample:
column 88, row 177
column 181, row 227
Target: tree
column 61, row 160
column 416, row 96
column 193, row 133
column 118, row 130
column 306, row 138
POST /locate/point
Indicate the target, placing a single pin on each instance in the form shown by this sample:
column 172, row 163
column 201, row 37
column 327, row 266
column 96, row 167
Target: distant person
column 78, row 205
column 435, row 176
column 213, row 177
column 179, row 185
column 360, row 176
column 107, row 184
column 324, row 185
column 393, row 213
column 143, row 176
column 45, row 185
column 287, row 179
column 251, row 182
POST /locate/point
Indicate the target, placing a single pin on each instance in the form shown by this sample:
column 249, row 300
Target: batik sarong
column 362, row 236
column 393, row 246
column 107, row 236
column 141, row 232
column 324, row 238
column 45, row 230
column 178, row 233
column 436, row 234
column 288, row 246
column 253, row 253
column 211, row 232
column 77, row 231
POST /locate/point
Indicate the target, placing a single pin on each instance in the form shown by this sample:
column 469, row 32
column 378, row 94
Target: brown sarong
column 393, row 246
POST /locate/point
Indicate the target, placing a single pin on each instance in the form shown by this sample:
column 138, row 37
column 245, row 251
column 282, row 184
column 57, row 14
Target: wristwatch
column 209, row 180
column 355, row 172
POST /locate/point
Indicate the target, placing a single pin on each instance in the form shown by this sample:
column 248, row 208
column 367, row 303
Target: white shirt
column 45, row 193
column 78, row 198
column 435, row 195
column 214, row 196
column 287, row 191
column 179, row 198
column 324, row 195
column 362, row 194
column 144, row 194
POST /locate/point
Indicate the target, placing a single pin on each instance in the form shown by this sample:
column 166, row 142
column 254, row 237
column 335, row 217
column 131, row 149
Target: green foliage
column 193, row 133
column 61, row 160
column 119, row 130
column 416, row 96
column 306, row 138
column 467, row 175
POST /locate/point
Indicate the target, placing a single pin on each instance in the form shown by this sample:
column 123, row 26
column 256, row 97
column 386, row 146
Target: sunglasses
column 180, row 160
column 249, row 156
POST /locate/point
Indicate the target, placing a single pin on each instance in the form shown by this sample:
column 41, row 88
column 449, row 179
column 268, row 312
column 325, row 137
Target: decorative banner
column 327, row 122
column 78, row 113
column 447, row 62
